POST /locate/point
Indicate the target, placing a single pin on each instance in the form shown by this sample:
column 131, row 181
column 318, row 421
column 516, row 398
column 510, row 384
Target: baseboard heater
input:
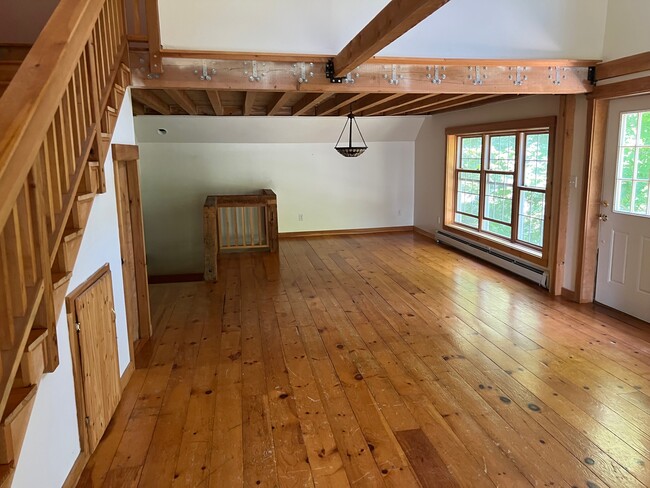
column 521, row 268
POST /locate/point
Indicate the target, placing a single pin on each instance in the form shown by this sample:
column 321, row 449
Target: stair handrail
column 32, row 98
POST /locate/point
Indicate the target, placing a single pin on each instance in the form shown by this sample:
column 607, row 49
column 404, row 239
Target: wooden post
column 272, row 219
column 593, row 178
column 210, row 244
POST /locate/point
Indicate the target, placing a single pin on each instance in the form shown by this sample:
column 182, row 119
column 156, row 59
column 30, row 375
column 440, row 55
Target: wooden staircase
column 59, row 101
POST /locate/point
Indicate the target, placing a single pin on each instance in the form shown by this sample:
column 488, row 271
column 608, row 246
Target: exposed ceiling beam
column 249, row 100
column 138, row 108
column 370, row 101
column 394, row 20
column 424, row 103
column 278, row 103
column 309, row 101
column 183, row 100
column 151, row 100
column 337, row 102
column 374, row 78
column 215, row 101
column 396, row 103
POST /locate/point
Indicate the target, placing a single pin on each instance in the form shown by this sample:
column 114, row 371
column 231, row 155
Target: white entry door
column 623, row 280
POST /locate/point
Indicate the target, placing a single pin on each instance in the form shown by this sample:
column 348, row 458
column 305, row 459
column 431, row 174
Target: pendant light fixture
column 350, row 151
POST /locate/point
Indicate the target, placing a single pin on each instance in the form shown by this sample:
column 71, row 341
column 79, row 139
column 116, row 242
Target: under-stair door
column 93, row 341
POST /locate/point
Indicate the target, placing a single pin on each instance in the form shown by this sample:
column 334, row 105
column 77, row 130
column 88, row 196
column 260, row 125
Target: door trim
column 126, row 156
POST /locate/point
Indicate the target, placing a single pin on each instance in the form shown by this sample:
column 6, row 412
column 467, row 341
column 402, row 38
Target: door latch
column 602, row 217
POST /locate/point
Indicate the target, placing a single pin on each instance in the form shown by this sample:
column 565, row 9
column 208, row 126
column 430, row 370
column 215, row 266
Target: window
column 497, row 185
column 633, row 165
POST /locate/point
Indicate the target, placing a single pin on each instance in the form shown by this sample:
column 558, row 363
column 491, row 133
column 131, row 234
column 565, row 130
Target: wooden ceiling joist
column 215, row 101
column 425, row 103
column 249, row 100
column 151, row 100
column 397, row 103
column 456, row 101
column 183, row 101
column 471, row 103
column 309, row 101
column 370, row 101
column 338, row 102
column 394, row 20
column 280, row 100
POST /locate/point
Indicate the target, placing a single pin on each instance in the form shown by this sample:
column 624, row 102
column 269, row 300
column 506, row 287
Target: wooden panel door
column 97, row 336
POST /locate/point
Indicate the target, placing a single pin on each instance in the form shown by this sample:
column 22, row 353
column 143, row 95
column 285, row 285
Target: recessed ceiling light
column 162, row 131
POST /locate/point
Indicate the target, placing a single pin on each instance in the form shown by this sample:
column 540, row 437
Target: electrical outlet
column 299, row 217
column 438, row 220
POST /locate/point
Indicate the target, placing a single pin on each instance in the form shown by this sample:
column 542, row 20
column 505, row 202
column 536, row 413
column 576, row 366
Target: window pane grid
column 501, row 185
column 632, row 191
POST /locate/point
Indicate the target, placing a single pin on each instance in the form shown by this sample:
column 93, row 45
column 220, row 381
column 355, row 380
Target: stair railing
column 50, row 127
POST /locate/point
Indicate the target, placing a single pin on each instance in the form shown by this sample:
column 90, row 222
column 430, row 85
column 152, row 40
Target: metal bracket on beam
column 437, row 77
column 304, row 75
column 475, row 75
column 394, row 77
column 329, row 72
column 255, row 74
column 591, row 75
column 519, row 77
column 205, row 74
column 556, row 75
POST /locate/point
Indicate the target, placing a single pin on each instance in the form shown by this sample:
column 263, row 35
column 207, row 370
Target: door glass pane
column 633, row 164
column 469, row 191
column 502, row 153
column 531, row 217
column 470, row 152
column 536, row 161
column 498, row 197
column 497, row 228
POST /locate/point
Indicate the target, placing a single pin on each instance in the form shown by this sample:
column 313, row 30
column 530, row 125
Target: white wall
column 331, row 192
column 627, row 29
column 52, row 440
column 461, row 28
column 430, row 160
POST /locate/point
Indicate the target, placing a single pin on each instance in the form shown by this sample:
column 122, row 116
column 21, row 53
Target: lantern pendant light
column 350, row 151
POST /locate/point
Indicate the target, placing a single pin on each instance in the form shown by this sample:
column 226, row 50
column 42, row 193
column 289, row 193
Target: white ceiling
column 460, row 29
column 188, row 129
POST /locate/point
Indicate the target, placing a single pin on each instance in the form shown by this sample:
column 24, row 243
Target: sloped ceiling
column 460, row 29
column 187, row 129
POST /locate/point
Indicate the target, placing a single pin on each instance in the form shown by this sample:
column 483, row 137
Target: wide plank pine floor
column 379, row 360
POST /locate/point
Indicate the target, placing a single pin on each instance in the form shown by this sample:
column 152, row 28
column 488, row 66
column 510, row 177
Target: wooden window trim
column 513, row 246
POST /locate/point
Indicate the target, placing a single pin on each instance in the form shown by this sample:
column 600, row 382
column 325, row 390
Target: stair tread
column 85, row 196
column 6, row 470
column 19, row 398
column 71, row 234
column 36, row 337
column 60, row 277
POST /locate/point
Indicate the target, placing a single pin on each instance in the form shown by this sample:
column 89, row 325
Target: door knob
column 602, row 217
column 604, row 203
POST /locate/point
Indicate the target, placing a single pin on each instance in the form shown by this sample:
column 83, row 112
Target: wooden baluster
column 52, row 187
column 14, row 251
column 226, row 213
column 113, row 23
column 74, row 115
column 7, row 333
column 63, row 151
column 110, row 37
column 234, row 211
column 81, row 101
column 251, row 225
column 95, row 94
column 68, row 131
column 45, row 316
column 107, row 48
column 260, row 240
column 24, row 213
